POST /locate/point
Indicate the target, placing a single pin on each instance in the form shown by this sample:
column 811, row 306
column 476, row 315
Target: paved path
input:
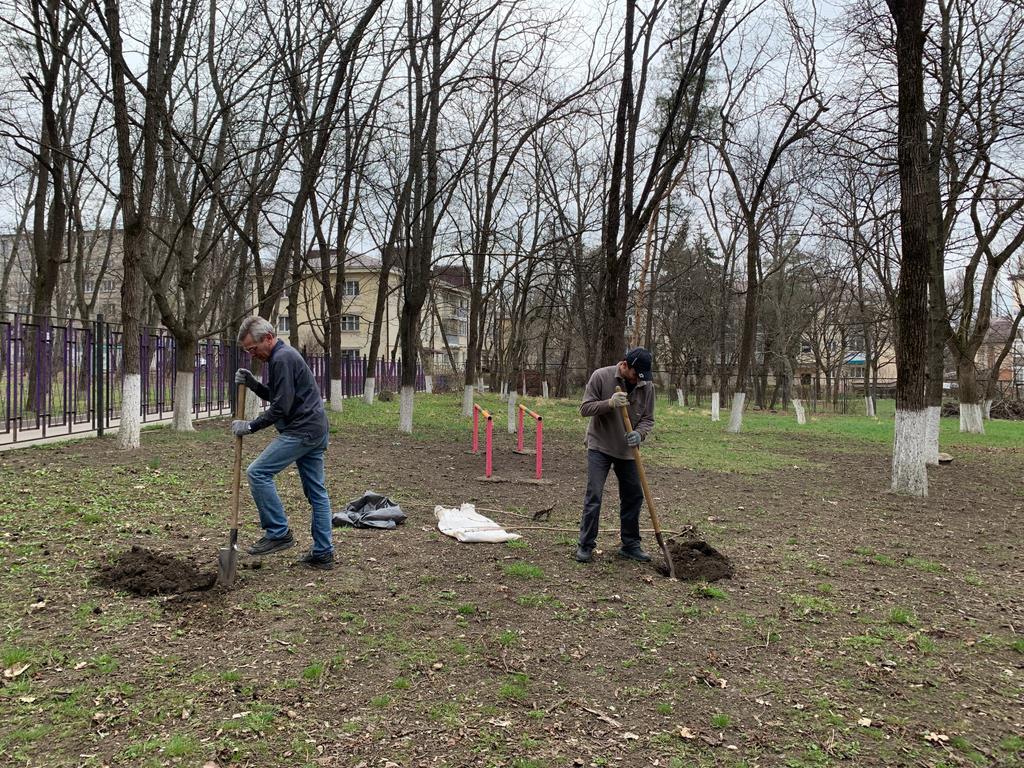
column 26, row 438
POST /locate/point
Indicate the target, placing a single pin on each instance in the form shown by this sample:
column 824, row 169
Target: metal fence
column 60, row 376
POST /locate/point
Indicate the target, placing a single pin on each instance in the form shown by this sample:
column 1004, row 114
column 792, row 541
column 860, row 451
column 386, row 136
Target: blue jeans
column 308, row 455
column 631, row 498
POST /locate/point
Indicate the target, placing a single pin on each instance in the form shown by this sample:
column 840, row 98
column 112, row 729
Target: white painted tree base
column 970, row 419
column 801, row 414
column 736, row 415
column 679, row 397
column 428, row 383
column 869, row 407
column 252, row 405
column 369, row 389
column 337, row 399
column 716, row 408
column 405, row 409
column 987, row 410
column 130, row 430
column 544, row 389
column 909, row 474
column 182, row 419
column 931, row 445
column 512, row 413
column 467, row 400
column 504, row 391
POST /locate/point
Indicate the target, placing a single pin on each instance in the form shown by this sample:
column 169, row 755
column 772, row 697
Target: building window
column 108, row 285
column 350, row 322
column 352, row 288
column 283, row 325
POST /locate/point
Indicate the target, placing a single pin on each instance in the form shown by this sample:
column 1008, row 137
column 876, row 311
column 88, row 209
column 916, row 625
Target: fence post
column 99, row 373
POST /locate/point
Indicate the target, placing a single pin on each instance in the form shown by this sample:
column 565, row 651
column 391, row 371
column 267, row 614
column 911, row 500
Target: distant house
column 1012, row 367
column 444, row 327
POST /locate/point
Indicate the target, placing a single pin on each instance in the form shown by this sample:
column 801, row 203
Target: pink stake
column 519, row 428
column 490, row 432
column 540, row 446
column 476, row 430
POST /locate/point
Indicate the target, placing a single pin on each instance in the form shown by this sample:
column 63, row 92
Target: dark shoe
column 317, row 562
column 584, row 555
column 635, row 553
column 268, row 546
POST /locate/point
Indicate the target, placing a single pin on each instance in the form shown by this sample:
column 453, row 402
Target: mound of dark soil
column 144, row 572
column 696, row 560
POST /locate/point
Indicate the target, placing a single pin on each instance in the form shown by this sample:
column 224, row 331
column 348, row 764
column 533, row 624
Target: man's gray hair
column 256, row 327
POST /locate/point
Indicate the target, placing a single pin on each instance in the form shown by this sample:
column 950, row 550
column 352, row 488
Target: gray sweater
column 296, row 407
column 606, row 432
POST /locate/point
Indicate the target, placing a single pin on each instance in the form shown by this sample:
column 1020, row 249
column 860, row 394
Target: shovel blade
column 227, row 561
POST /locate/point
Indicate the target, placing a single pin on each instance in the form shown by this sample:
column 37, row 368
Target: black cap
column 639, row 359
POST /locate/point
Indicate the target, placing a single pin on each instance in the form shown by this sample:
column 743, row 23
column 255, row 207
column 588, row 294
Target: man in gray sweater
column 610, row 446
column 297, row 412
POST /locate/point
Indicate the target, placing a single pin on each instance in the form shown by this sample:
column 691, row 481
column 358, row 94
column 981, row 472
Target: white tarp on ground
column 465, row 524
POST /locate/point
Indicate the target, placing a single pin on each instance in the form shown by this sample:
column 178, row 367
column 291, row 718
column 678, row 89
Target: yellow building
column 444, row 325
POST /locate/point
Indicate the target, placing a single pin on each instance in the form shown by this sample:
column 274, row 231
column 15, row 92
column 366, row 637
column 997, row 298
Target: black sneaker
column 268, row 546
column 317, row 562
column 584, row 555
column 635, row 553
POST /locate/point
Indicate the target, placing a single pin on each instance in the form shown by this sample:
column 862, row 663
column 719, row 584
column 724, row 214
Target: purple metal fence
column 59, row 376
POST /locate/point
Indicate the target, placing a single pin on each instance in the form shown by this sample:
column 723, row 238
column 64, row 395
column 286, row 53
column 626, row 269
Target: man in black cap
column 609, row 445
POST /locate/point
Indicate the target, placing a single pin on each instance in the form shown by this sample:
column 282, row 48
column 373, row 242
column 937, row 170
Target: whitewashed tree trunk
column 716, row 414
column 970, row 419
column 909, row 474
column 512, row 413
column 679, row 397
column 467, row 400
column 736, row 415
column 931, row 444
column 337, row 399
column 405, row 409
column 182, row 419
column 130, row 431
column 428, row 383
column 801, row 414
column 480, row 384
column 503, row 394
column 252, row 405
column 988, row 410
column 369, row 387
column 544, row 389
column 869, row 407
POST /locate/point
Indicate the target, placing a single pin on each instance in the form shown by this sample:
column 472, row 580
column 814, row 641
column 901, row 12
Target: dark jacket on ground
column 296, row 407
column 605, row 432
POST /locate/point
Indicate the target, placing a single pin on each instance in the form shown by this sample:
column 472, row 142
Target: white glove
column 244, row 376
column 618, row 400
column 633, row 439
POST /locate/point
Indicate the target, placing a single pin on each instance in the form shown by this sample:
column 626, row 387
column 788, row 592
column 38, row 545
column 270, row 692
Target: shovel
column 227, row 558
column 647, row 494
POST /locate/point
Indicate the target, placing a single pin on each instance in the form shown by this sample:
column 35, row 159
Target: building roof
column 999, row 330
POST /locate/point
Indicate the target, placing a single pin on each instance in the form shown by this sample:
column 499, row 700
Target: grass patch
column 523, row 571
column 902, row 617
column 708, row 592
column 514, row 687
column 812, row 604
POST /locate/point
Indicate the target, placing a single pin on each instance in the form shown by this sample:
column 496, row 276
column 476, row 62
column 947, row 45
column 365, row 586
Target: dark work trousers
column 631, row 497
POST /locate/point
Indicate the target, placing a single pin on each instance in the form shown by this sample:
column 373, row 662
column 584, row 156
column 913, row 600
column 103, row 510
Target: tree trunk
column 970, row 405
column 909, row 475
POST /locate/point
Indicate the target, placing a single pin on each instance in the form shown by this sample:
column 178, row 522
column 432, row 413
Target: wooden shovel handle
column 647, row 493
column 236, row 480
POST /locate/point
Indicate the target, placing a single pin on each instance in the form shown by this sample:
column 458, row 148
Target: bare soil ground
column 858, row 628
